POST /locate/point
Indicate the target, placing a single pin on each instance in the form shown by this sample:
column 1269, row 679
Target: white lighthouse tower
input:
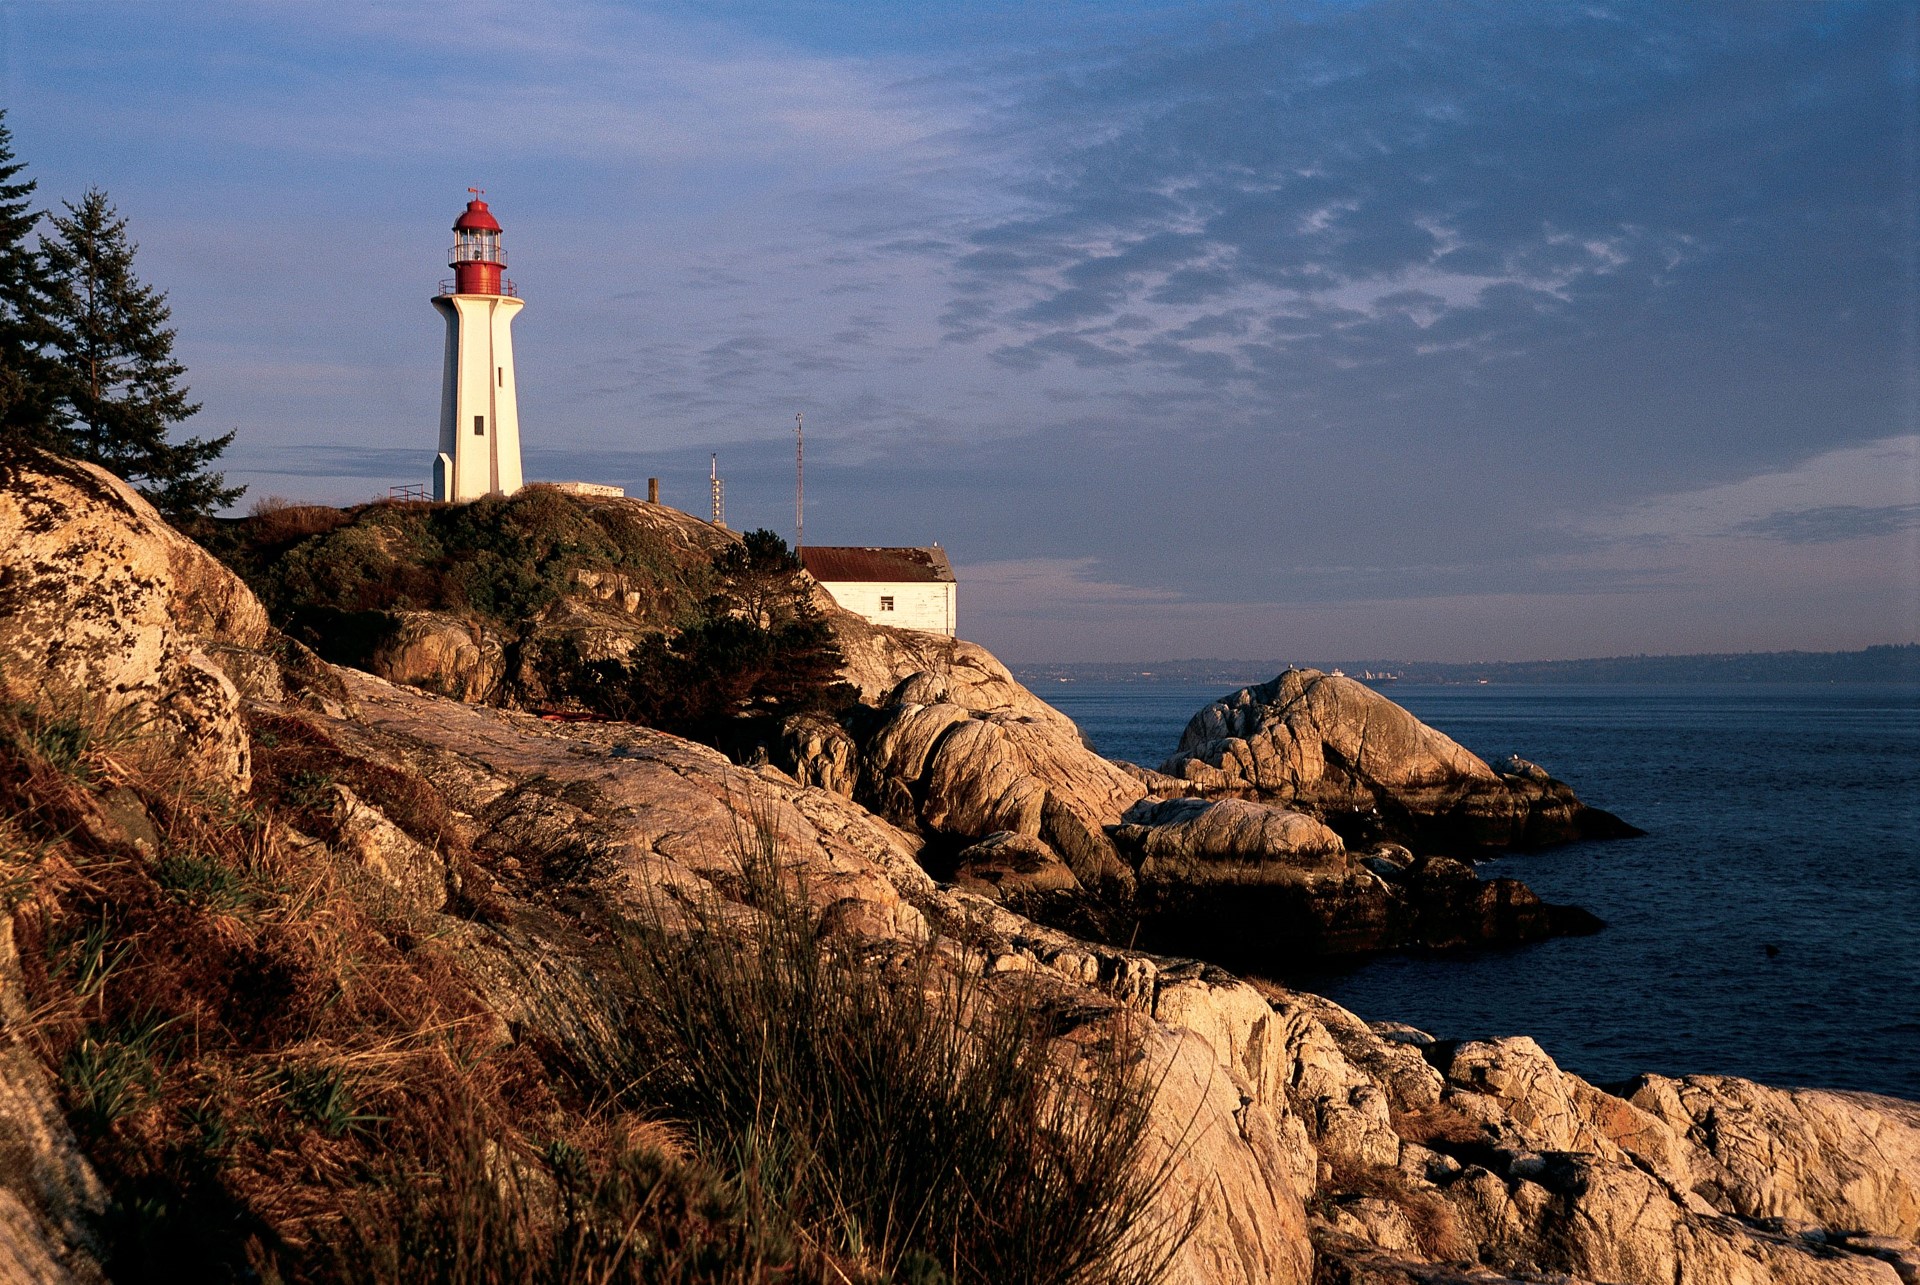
column 479, row 416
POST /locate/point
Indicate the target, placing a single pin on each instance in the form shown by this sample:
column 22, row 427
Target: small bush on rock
column 750, row 656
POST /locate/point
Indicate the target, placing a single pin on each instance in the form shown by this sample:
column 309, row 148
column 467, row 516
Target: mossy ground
column 503, row 558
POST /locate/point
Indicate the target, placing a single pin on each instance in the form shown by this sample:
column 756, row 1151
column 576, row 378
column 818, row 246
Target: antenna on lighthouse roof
column 478, row 191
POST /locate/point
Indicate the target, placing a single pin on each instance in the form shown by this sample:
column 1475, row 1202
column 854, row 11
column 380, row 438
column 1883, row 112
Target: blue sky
column 1437, row 330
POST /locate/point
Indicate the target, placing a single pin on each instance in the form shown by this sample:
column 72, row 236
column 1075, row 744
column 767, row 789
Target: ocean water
column 1782, row 815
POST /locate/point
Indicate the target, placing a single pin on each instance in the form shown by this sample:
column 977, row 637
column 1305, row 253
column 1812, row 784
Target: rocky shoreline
column 1304, row 815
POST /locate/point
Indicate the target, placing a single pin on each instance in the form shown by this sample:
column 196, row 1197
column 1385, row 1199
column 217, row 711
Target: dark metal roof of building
column 844, row 565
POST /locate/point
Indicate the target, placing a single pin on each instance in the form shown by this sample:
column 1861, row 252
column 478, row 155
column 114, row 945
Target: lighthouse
column 479, row 417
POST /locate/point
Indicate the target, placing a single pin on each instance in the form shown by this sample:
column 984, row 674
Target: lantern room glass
column 474, row 245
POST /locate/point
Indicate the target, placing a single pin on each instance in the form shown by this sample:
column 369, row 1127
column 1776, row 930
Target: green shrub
column 324, row 1095
column 114, row 1070
column 748, row 657
column 501, row 557
column 205, row 882
column 63, row 743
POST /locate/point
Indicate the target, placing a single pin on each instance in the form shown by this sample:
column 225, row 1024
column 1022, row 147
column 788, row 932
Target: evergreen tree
column 29, row 412
column 119, row 379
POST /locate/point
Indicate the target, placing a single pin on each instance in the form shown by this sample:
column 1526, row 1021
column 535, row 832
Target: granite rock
column 455, row 656
column 1007, row 865
column 1332, row 746
column 105, row 614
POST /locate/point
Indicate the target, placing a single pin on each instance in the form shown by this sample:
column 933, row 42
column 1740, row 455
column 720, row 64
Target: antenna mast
column 799, row 482
column 719, row 489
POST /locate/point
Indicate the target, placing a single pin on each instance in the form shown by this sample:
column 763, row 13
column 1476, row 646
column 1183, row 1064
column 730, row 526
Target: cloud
column 1418, row 193
column 1049, row 586
column 1854, row 492
column 1833, row 523
column 588, row 81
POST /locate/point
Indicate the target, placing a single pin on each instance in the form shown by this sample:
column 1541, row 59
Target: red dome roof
column 476, row 218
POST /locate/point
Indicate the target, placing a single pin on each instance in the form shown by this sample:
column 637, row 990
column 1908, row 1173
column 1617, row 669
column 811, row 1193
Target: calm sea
column 1782, row 815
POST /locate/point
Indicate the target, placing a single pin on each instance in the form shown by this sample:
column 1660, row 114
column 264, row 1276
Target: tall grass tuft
column 899, row 1119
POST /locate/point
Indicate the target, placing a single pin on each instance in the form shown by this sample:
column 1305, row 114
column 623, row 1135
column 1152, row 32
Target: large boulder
column 816, row 750
column 1227, row 841
column 461, row 657
column 1848, row 1160
column 1253, row 883
column 1432, row 1152
column 891, row 667
column 960, row 773
column 106, row 614
column 1330, row 745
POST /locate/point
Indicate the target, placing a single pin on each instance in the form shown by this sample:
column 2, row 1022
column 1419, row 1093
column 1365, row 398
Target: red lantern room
column 476, row 257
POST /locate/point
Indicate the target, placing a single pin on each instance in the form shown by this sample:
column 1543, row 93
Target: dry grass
column 282, row 1075
column 612, row 1205
column 1439, row 1126
column 240, row 1025
column 1432, row 1220
column 277, row 522
column 904, row 1124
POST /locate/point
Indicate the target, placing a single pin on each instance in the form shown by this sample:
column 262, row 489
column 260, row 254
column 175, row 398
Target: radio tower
column 719, row 489
column 799, row 482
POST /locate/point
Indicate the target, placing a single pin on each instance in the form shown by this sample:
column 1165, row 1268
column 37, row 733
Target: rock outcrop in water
column 974, row 763
column 1314, row 1147
column 1333, row 746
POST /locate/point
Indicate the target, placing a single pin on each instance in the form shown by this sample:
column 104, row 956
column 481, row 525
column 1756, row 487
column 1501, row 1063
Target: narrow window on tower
column 500, row 376
column 479, row 425
column 886, row 602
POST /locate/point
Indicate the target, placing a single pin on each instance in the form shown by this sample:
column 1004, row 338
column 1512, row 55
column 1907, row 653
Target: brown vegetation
column 280, row 1071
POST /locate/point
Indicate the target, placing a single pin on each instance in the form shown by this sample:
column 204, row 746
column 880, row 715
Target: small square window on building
column 479, row 425
column 886, row 602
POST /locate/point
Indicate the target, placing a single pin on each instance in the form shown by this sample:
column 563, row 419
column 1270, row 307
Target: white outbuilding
column 906, row 588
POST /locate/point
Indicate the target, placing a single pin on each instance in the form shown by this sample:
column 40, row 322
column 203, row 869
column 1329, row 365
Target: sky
column 1435, row 330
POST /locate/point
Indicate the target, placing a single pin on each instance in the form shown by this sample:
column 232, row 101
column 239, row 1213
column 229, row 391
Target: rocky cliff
column 1268, row 869
column 1309, row 1145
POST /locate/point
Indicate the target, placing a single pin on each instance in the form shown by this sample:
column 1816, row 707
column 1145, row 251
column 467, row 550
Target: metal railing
column 459, row 253
column 506, row 287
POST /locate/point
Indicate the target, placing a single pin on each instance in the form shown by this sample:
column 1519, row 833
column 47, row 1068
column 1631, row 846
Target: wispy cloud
column 1854, row 492
column 1833, row 523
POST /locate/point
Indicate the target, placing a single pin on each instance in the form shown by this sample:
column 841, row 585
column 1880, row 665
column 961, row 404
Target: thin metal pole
column 799, row 482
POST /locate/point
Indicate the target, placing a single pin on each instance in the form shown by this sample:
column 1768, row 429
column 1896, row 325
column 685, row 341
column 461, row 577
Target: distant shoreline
column 1887, row 663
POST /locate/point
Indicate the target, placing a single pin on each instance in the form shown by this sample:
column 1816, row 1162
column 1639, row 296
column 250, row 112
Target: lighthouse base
column 479, row 412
